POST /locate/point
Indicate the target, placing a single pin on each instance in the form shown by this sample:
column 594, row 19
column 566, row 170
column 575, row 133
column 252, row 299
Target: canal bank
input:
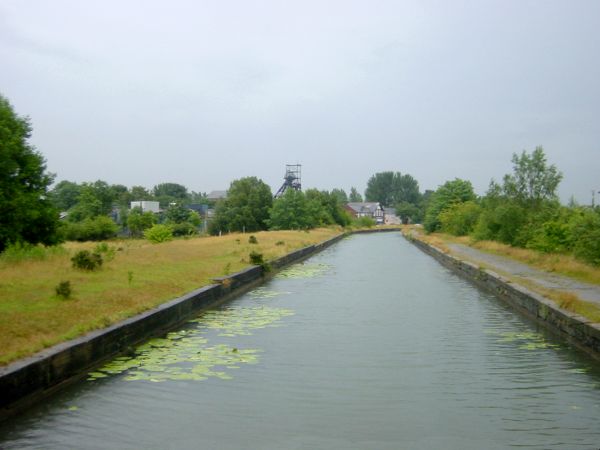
column 580, row 331
column 370, row 344
column 26, row 381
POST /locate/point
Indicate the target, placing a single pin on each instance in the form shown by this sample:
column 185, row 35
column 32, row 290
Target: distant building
column 373, row 210
column 390, row 217
column 216, row 195
column 146, row 205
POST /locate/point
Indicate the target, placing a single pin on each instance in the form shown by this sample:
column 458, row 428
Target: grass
column 139, row 277
column 560, row 264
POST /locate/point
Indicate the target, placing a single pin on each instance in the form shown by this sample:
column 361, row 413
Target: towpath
column 520, row 271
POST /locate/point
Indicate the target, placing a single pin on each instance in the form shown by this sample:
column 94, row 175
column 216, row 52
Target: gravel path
column 548, row 280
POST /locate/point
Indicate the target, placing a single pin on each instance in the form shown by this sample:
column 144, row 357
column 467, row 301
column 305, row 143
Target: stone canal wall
column 577, row 329
column 28, row 380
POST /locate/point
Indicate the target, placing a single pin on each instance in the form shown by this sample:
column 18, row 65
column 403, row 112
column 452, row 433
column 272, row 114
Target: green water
column 368, row 345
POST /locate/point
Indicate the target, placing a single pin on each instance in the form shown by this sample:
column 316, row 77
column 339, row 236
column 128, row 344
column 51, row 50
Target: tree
column 448, row 194
column 245, row 208
column 167, row 193
column 138, row 221
column 355, row 196
column 340, row 195
column 532, row 181
column 26, row 212
column 64, row 195
column 407, row 212
column 391, row 188
column 138, row 193
column 290, row 212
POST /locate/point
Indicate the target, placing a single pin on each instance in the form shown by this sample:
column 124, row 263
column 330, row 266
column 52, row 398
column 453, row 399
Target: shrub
column 258, row 260
column 63, row 289
column 280, row 243
column 184, row 229
column 159, row 233
column 364, row 221
column 104, row 249
column 460, row 218
column 252, row 240
column 86, row 260
column 585, row 235
column 96, row 229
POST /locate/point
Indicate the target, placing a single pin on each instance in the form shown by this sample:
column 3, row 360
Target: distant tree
column 65, row 194
column 532, row 180
column 245, row 208
column 138, row 221
column 26, row 212
column 355, row 196
column 340, row 195
column 290, row 212
column 167, row 193
column 408, row 212
column 391, row 188
column 138, row 193
column 448, row 194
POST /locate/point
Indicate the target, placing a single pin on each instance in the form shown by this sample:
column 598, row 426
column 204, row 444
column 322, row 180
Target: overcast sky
column 204, row 92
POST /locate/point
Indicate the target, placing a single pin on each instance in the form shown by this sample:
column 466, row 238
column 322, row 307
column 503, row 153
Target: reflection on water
column 369, row 345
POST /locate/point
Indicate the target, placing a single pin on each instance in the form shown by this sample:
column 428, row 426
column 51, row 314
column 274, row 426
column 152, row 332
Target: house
column 390, row 217
column 146, row 206
column 216, row 195
column 366, row 209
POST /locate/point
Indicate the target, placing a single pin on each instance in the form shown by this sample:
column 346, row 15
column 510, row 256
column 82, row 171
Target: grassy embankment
column 550, row 262
column 139, row 277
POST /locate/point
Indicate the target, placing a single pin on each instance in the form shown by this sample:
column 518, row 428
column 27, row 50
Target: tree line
column 523, row 210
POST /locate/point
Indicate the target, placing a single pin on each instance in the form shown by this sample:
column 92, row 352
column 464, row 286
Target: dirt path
column 506, row 266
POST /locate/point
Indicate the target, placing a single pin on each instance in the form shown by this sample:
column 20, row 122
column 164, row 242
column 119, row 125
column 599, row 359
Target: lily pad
column 305, row 270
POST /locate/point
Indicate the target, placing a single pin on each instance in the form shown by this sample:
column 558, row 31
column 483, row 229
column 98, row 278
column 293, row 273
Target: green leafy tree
column 459, row 219
column 290, row 212
column 391, row 188
column 408, row 212
column 355, row 196
column 26, row 212
column 245, row 208
column 138, row 193
column 340, row 195
column 167, row 193
column 533, row 180
column 448, row 194
column 138, row 221
column 65, row 195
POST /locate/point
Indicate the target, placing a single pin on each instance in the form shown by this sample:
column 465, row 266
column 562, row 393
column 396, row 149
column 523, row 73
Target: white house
column 146, row 205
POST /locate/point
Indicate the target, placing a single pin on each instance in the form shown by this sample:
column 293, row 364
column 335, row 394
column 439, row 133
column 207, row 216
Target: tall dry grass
column 139, row 277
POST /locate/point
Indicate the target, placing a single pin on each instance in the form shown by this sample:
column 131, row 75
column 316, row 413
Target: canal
column 370, row 344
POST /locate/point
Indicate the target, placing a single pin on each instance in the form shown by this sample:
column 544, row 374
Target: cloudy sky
column 204, row 92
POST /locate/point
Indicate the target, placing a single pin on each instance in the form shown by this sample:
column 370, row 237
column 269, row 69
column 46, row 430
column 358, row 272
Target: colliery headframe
column 292, row 179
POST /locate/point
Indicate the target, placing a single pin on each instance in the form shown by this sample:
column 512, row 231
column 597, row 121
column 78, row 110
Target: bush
column 258, row 260
column 96, row 229
column 63, row 289
column 252, row 240
column 362, row 222
column 552, row 236
column 585, row 236
column 159, row 233
column 86, row 260
column 460, row 218
column 184, row 229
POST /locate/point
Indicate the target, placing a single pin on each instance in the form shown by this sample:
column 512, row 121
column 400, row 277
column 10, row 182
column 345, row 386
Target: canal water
column 369, row 345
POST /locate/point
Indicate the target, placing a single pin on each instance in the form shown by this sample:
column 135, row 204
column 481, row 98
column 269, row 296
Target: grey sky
column 204, row 92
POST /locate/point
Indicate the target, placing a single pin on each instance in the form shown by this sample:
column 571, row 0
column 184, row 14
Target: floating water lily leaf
column 263, row 292
column 241, row 321
column 72, row 408
column 308, row 270
column 527, row 340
